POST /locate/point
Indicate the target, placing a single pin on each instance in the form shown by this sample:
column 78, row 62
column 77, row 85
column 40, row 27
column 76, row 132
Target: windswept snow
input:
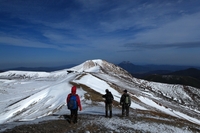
column 118, row 125
column 24, row 74
column 100, row 86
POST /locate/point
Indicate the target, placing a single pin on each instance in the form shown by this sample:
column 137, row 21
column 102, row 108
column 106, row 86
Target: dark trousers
column 74, row 115
column 108, row 108
column 125, row 110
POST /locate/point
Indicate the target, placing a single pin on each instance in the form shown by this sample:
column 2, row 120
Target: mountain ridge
column 44, row 94
column 127, row 65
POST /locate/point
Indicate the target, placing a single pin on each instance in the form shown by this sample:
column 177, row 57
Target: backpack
column 127, row 99
column 109, row 98
column 72, row 104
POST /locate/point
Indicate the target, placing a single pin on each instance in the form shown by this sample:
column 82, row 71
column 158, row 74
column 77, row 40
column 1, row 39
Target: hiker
column 108, row 102
column 73, row 102
column 125, row 102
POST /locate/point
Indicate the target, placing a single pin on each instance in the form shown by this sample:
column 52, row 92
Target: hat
column 125, row 91
column 73, row 90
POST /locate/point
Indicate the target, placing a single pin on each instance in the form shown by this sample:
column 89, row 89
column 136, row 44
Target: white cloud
column 23, row 42
column 185, row 29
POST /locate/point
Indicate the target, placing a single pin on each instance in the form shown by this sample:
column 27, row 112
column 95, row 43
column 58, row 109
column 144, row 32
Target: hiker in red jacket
column 73, row 102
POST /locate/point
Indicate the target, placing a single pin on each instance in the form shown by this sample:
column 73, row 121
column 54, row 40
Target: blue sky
column 36, row 33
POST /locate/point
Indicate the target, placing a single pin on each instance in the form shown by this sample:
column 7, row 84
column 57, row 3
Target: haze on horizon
column 55, row 33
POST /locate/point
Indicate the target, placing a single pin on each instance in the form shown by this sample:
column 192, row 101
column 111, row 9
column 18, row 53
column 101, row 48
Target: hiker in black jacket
column 108, row 102
column 125, row 102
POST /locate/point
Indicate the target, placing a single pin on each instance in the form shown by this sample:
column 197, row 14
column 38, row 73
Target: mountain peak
column 88, row 66
column 102, row 66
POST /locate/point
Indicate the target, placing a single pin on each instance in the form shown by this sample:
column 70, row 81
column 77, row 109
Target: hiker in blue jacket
column 125, row 102
column 108, row 102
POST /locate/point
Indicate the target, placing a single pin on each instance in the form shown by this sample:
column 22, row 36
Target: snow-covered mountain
column 25, row 96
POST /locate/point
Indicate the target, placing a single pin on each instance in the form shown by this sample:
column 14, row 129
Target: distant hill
column 142, row 75
column 131, row 68
column 192, row 72
column 41, row 69
column 172, row 79
column 171, row 74
column 145, row 69
column 190, row 77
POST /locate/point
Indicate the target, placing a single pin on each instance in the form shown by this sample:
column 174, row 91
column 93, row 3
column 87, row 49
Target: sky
column 54, row 33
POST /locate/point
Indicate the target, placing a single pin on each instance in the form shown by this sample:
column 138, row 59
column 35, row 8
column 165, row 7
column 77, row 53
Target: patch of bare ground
column 161, row 118
column 60, row 126
column 99, row 124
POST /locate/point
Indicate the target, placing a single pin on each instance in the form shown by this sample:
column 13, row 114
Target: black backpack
column 109, row 98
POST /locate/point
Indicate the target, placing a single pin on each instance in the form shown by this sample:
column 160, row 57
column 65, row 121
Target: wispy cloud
column 184, row 29
column 23, row 42
column 141, row 46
